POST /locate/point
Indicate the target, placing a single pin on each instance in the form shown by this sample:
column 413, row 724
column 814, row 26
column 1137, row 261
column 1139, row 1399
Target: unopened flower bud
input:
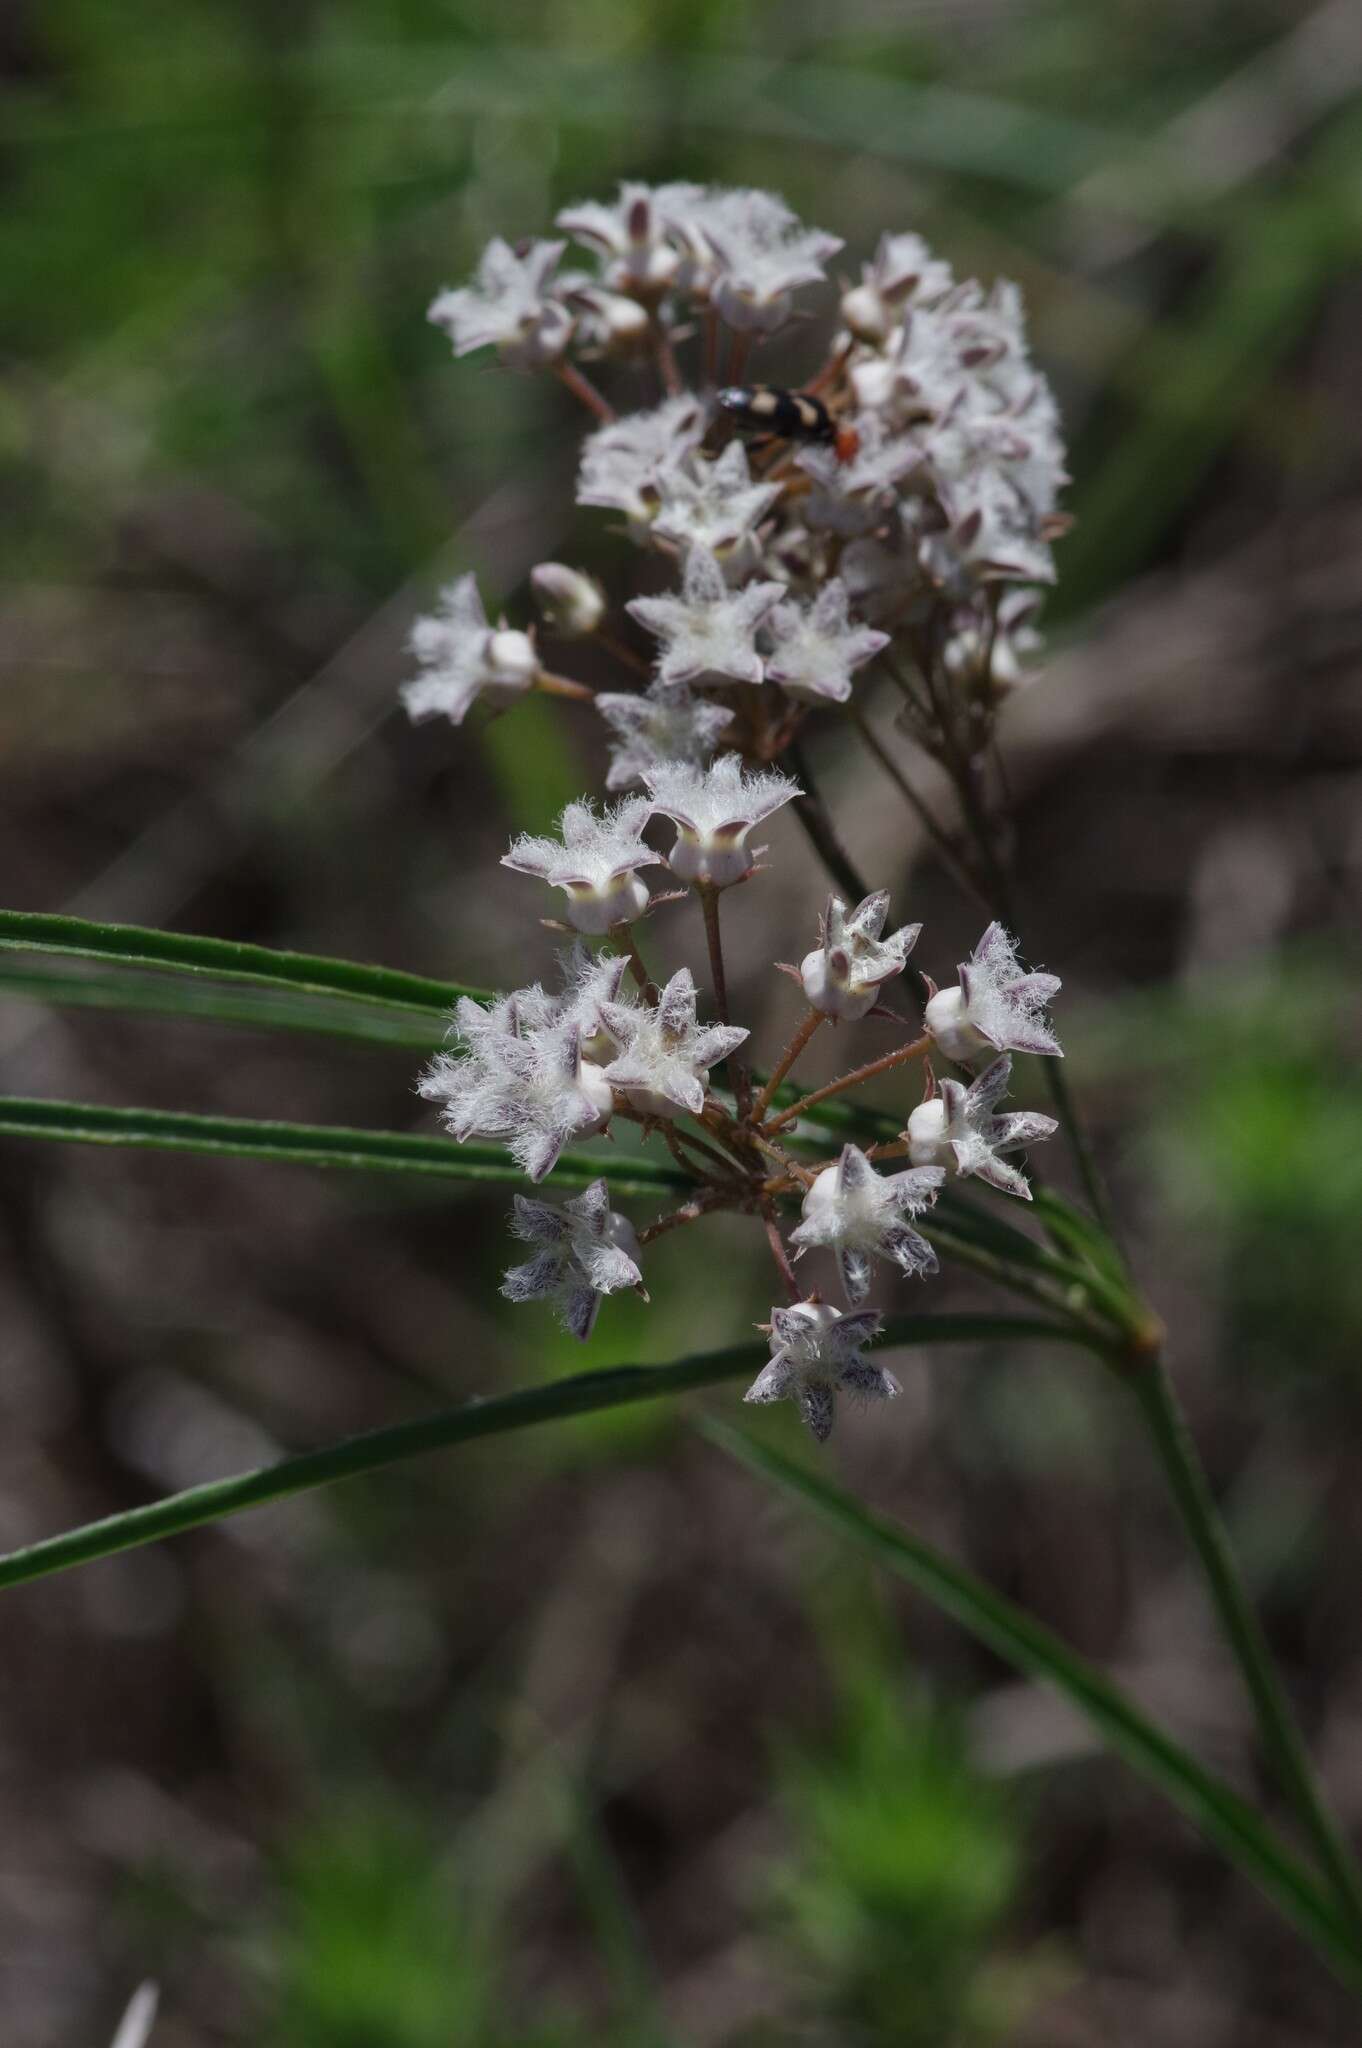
column 866, row 314
column 570, row 603
column 512, row 659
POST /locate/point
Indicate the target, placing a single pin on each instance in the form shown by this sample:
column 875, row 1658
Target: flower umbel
column 815, row 1355
column 959, row 1128
column 585, row 1250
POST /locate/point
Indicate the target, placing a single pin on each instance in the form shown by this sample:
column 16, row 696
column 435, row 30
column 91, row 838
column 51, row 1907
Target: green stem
column 585, row 1394
column 1281, row 1735
column 227, row 960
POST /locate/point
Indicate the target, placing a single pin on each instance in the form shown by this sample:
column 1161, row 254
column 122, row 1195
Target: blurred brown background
column 580, row 1737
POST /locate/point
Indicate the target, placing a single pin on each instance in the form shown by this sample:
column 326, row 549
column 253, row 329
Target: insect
column 787, row 416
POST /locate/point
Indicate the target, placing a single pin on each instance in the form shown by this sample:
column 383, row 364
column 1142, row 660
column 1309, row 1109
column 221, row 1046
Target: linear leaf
column 86, row 1123
column 584, row 1394
column 226, row 960
column 1218, row 1811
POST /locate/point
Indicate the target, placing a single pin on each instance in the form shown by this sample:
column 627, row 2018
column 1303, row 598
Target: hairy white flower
column 997, row 1006
column 605, row 323
column 590, row 981
column 712, row 504
column 624, row 462
column 863, row 1215
column 571, row 603
column 667, row 1053
column 959, row 1129
column 634, row 238
column 463, row 658
column 853, row 497
column 709, row 630
column 665, row 722
column 520, row 1078
column 713, row 810
column 759, row 254
column 510, row 306
column 845, row 972
column 1000, row 646
column 997, row 526
column 596, row 862
column 815, row 1355
column 815, row 650
column 584, row 1250
column 904, row 271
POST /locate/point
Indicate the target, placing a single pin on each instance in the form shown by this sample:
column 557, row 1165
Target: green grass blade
column 145, row 992
column 233, row 1137
column 584, row 1394
column 1218, row 1811
column 226, row 960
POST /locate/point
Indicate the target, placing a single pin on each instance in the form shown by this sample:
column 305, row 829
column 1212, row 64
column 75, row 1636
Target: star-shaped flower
column 665, row 722
column 815, row 650
column 712, row 504
column 815, row 1355
column 634, row 237
column 595, row 864
column 862, row 1215
column 761, row 254
column 845, row 972
column 997, row 1007
column 624, row 463
column 904, row 272
column 667, row 1053
column 520, row 1077
column 959, row 1129
column 590, row 981
column 713, row 810
column 584, row 1250
column 852, row 497
column 709, row 630
column 510, row 306
column 463, row 658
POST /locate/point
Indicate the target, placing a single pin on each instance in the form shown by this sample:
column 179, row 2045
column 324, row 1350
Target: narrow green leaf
column 146, row 992
column 1218, row 1811
column 226, row 960
column 86, row 1123
column 584, row 1394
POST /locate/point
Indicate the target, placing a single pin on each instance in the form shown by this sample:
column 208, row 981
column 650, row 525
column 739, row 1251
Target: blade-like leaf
column 226, row 960
column 86, row 1123
column 1226, row 1819
column 583, row 1394
column 147, row 992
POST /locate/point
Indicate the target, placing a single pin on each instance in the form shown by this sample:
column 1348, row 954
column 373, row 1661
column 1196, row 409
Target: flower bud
column 866, row 314
column 947, row 1019
column 927, row 1142
column 511, row 658
column 570, row 603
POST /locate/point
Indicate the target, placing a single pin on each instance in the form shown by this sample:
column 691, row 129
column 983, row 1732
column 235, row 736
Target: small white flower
column 570, row 603
column 904, row 271
column 1002, row 646
column 509, row 306
column 585, row 1250
column 605, row 323
column 760, row 255
column 590, row 981
column 463, row 658
column 595, row 864
column 520, row 1078
column 712, row 504
column 997, row 1007
column 624, row 462
column 667, row 1053
column 845, row 972
column 665, row 722
column 853, row 497
column 634, row 237
column 863, row 1215
column 815, row 651
column 713, row 810
column 958, row 1129
column 815, row 1355
column 709, row 630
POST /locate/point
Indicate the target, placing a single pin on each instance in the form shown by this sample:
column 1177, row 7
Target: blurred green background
column 579, row 1739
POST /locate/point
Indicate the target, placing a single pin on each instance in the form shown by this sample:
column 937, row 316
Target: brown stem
column 852, row 1080
column 563, row 686
column 668, row 368
column 737, row 357
column 802, row 1034
column 711, row 347
column 778, row 1251
column 622, row 651
column 689, row 1212
column 624, row 938
column 926, row 817
column 709, row 904
column 581, row 386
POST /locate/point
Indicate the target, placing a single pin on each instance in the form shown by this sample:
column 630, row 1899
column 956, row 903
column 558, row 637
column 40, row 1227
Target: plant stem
column 802, row 1034
column 709, row 904
column 927, row 818
column 581, row 386
column 868, row 1072
column 778, row 1251
column 623, row 935
column 563, row 686
column 1177, row 1453
column 814, row 815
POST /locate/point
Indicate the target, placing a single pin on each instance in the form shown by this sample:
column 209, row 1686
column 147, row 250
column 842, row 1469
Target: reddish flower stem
column 800, row 1038
column 581, row 386
column 852, row 1080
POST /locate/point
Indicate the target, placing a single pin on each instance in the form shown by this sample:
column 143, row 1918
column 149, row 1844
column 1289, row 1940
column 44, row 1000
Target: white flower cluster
column 795, row 544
